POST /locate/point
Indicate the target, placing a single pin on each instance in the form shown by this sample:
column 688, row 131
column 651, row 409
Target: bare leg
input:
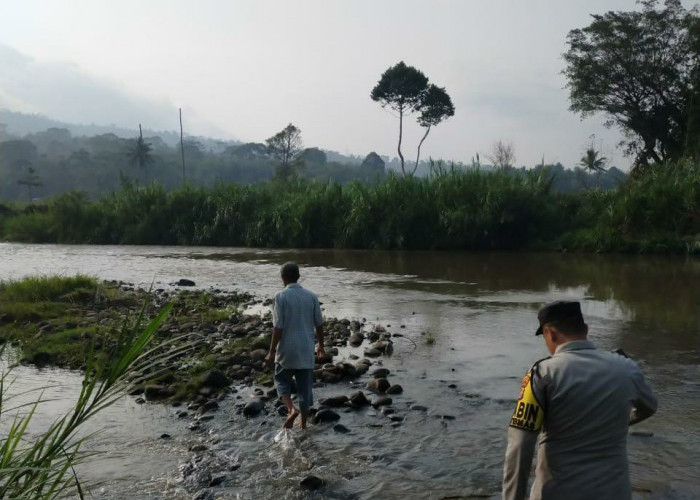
column 304, row 415
column 292, row 412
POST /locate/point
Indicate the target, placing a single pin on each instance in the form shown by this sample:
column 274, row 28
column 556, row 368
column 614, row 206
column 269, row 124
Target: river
column 480, row 310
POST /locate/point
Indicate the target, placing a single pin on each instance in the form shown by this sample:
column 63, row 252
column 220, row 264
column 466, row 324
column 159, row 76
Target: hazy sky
column 244, row 69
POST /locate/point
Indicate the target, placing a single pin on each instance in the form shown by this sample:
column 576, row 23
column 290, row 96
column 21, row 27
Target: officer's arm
column 645, row 404
column 516, row 469
column 525, row 425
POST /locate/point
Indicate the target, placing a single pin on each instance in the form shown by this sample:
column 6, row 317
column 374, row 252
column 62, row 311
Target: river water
column 480, row 309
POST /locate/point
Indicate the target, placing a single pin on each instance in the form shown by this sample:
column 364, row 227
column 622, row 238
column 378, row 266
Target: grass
column 43, row 467
column 45, row 316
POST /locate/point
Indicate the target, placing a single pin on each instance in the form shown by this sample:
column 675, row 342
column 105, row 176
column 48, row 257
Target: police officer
column 580, row 401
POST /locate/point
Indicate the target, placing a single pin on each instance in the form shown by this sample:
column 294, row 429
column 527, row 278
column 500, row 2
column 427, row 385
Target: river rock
column 380, row 373
column 258, row 354
column 378, row 385
column 356, row 339
column 347, row 369
column 203, row 495
column 326, row 416
column 341, row 429
column 217, row 480
column 311, row 483
column 378, row 401
column 335, row 401
column 185, row 282
column 215, row 379
column 381, row 346
column 372, row 353
column 329, row 377
column 373, row 336
column 394, row 389
column 359, row 399
column 253, row 408
column 361, row 368
column 157, row 391
column 419, row 408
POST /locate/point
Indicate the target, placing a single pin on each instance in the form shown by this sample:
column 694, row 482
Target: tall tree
column 141, row 154
column 640, row 70
column 31, row 180
column 284, row 146
column 401, row 88
column 435, row 107
column 502, row 155
column 592, row 162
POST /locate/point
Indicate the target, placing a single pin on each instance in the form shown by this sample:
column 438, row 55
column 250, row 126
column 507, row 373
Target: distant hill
column 21, row 124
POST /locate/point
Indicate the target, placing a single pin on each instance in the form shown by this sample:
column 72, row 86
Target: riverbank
column 657, row 211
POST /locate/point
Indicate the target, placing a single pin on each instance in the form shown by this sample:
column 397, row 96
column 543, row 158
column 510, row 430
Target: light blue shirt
column 297, row 312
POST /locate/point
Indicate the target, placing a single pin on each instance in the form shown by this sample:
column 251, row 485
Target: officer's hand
column 270, row 358
column 320, row 352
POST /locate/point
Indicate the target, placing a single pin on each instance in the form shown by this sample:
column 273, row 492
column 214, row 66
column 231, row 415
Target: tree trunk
column 419, row 145
column 182, row 149
column 400, row 136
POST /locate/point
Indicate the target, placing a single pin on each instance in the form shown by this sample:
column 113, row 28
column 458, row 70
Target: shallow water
column 481, row 311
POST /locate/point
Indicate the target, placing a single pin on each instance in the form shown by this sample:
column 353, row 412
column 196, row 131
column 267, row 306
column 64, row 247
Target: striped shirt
column 297, row 312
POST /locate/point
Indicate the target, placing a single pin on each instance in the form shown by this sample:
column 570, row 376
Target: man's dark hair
column 570, row 326
column 290, row 272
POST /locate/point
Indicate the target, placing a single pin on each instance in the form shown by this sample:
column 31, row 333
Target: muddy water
column 480, row 311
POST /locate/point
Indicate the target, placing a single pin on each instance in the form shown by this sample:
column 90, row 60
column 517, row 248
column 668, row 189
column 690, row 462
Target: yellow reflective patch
column 528, row 414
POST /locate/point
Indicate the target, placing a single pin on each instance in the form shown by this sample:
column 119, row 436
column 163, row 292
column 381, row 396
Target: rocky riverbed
column 218, row 360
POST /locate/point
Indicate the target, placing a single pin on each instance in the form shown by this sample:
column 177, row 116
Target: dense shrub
column 658, row 211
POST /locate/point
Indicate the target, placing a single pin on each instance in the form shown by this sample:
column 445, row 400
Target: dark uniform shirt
column 580, row 402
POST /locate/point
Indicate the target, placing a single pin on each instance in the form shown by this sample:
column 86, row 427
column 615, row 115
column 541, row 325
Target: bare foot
column 289, row 423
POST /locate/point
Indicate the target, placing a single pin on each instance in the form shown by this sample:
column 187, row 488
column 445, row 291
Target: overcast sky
column 245, row 69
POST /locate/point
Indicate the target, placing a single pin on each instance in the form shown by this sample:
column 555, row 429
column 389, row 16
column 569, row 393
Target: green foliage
column 640, row 69
column 40, row 288
column 452, row 208
column 405, row 90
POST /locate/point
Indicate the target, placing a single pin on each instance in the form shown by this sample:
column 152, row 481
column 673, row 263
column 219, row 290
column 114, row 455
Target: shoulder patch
column 528, row 414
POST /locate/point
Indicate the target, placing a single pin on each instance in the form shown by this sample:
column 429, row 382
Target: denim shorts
column 284, row 381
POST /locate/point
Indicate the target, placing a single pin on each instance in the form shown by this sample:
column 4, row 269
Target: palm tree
column 591, row 162
column 140, row 154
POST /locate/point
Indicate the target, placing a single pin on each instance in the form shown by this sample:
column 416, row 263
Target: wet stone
column 380, row 373
column 340, row 428
column 326, row 416
column 311, row 483
column 394, row 389
column 217, row 480
column 335, row 401
column 381, row 401
column 203, row 495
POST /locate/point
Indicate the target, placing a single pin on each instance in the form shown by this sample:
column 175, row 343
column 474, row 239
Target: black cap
column 557, row 311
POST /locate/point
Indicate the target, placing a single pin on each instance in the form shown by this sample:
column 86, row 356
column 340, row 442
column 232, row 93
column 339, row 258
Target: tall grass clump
column 43, row 467
column 45, row 288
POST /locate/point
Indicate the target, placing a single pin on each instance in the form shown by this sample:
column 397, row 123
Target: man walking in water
column 296, row 318
column 580, row 401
